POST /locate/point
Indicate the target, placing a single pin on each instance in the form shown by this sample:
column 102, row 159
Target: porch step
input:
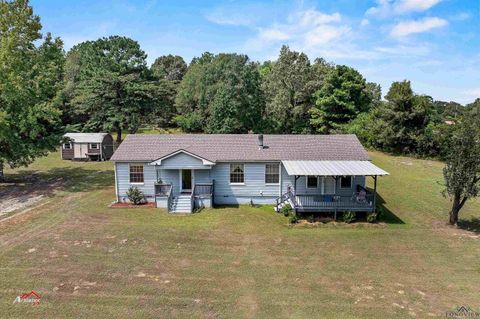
column 181, row 204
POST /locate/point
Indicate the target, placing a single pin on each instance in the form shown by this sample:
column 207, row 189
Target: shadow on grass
column 70, row 179
column 472, row 224
column 386, row 215
column 226, row 206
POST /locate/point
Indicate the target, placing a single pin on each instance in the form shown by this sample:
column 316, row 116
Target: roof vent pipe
column 260, row 141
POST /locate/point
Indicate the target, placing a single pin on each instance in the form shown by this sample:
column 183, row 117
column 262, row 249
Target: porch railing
column 202, row 189
column 333, row 201
column 164, row 190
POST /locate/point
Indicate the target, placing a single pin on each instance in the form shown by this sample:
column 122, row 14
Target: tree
column 29, row 82
column 399, row 124
column 169, row 67
column 221, row 94
column 108, row 84
column 343, row 96
column 288, row 85
column 462, row 169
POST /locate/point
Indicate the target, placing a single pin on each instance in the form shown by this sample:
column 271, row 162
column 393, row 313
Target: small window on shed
column 346, row 182
column 312, row 181
column 94, row 146
column 136, row 173
column 67, row 146
column 272, row 173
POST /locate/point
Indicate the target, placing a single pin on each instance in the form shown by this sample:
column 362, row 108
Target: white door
column 79, row 150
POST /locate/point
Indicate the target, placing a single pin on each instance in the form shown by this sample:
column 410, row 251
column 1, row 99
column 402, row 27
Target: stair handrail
column 192, row 198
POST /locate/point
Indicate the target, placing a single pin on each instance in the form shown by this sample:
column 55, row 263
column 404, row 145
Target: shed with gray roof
column 87, row 146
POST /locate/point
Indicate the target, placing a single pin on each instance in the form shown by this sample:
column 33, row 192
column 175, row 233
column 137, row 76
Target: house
column 186, row 171
column 87, row 146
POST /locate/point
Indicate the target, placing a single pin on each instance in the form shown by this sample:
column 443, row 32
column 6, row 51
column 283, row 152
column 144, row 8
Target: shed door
column 80, row 150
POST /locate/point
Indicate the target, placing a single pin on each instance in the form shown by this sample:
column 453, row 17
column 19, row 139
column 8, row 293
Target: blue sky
column 433, row 43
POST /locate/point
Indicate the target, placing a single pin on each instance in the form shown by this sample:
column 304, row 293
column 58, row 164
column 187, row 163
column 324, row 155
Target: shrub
column 372, row 217
column 348, row 217
column 135, row 195
column 286, row 210
column 293, row 218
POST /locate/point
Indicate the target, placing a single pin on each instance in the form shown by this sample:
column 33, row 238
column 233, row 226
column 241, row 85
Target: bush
column 286, row 210
column 135, row 195
column 348, row 217
column 372, row 217
column 293, row 218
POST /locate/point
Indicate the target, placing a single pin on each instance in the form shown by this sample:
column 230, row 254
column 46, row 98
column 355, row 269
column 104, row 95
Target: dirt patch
column 128, row 205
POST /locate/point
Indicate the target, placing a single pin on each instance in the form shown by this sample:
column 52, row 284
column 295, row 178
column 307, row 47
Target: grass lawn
column 89, row 261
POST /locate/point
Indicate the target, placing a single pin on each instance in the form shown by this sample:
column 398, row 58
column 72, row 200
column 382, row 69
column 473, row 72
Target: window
column 94, row 146
column 236, row 173
column 272, row 173
column 312, row 181
column 136, row 173
column 346, row 182
column 67, row 146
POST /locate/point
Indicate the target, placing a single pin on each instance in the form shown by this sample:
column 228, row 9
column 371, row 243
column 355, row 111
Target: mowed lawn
column 90, row 261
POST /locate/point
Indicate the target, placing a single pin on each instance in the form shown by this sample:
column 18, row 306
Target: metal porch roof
column 333, row 168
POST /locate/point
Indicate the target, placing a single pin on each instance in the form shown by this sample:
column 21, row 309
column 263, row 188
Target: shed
column 87, row 146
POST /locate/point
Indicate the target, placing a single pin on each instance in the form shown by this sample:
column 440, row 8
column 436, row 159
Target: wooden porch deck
column 332, row 203
column 328, row 203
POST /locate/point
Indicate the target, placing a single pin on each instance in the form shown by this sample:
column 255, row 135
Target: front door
column 186, row 177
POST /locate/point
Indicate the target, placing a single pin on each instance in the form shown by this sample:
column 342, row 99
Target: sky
column 433, row 43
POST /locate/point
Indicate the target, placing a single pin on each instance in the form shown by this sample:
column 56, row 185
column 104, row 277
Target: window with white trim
column 136, row 174
column 237, row 175
column 346, row 182
column 93, row 146
column 312, row 181
column 67, row 146
column 272, row 173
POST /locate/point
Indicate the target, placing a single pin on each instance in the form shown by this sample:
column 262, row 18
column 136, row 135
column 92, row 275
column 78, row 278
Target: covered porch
column 349, row 192
column 183, row 182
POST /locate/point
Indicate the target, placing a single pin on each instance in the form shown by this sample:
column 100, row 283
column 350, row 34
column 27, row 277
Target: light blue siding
column 202, row 176
column 253, row 189
column 123, row 181
column 182, row 160
column 170, row 176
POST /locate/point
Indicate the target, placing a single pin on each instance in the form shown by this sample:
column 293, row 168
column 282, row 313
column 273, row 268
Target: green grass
column 91, row 261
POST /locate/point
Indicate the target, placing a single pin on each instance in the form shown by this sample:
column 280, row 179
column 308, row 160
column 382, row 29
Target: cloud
column 462, row 16
column 303, row 30
column 387, row 8
column 364, row 22
column 404, row 6
column 405, row 28
column 237, row 15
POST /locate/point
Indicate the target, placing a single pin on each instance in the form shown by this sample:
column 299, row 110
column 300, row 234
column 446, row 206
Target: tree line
column 107, row 85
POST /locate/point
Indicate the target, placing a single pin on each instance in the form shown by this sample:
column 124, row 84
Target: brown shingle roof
column 242, row 147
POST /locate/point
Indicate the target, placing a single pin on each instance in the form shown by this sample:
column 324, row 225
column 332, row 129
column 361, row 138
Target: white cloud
column 462, row 16
column 364, row 22
column 222, row 18
column 386, row 8
column 302, row 30
column 273, row 34
column 403, row 6
column 405, row 28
